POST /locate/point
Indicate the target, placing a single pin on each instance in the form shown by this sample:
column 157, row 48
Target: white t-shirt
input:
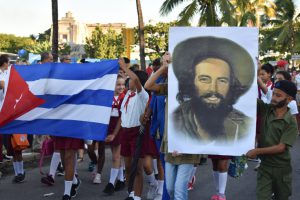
column 266, row 98
column 135, row 108
column 115, row 111
column 297, row 80
column 293, row 107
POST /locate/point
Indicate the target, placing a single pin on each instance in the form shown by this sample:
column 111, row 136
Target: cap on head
column 287, row 87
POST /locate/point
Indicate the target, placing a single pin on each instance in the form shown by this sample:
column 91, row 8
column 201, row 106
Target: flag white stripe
column 71, row 87
column 87, row 113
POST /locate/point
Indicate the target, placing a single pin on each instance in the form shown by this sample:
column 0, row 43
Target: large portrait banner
column 212, row 90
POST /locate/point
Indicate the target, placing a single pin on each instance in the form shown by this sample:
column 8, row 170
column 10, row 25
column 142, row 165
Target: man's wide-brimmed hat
column 237, row 57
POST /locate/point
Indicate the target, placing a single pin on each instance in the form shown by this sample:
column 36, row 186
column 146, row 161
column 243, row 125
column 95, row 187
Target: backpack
column 19, row 142
column 47, row 150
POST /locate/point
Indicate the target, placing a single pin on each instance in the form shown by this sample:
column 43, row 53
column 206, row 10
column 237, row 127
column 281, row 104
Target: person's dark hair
column 44, row 56
column 134, row 67
column 126, row 60
column 187, row 88
column 4, row 59
column 268, row 68
column 143, row 77
column 156, row 62
column 285, row 74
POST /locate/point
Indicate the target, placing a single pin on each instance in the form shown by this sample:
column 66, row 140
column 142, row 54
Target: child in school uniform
column 133, row 106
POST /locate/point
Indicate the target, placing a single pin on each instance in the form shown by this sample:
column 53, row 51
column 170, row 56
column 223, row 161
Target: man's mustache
column 211, row 94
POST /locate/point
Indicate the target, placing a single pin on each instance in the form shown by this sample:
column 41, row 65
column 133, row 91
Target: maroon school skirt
column 64, row 143
column 149, row 143
column 111, row 127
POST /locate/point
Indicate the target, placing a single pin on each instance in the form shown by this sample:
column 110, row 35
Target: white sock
column 16, row 169
column 54, row 163
column 68, row 186
column 20, row 166
column 121, row 174
column 193, row 173
column 160, row 186
column 154, row 162
column 113, row 175
column 222, row 182
column 75, row 180
column 151, row 179
column 123, row 164
column 131, row 194
column 75, row 164
column 216, row 179
column 136, row 198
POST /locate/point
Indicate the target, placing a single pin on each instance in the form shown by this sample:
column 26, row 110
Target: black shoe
column 109, row 189
column 75, row 187
column 203, row 161
column 120, row 185
column 156, row 176
column 60, row 170
column 66, row 197
column 6, row 158
column 20, row 178
column 48, row 180
column 129, row 198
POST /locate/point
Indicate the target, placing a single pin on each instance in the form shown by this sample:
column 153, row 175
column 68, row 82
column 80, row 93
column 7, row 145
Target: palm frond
column 188, row 13
column 168, row 6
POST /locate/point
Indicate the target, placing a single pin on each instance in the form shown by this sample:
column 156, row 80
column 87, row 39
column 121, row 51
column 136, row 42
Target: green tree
column 210, row 12
column 101, row 45
column 252, row 10
column 12, row 44
column 285, row 31
column 156, row 38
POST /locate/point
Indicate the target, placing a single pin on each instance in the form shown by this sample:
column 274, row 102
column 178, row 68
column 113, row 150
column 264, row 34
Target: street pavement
column 237, row 189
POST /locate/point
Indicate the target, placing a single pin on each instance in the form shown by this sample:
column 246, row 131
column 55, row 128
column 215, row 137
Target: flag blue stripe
column 91, row 97
column 64, row 128
column 86, row 71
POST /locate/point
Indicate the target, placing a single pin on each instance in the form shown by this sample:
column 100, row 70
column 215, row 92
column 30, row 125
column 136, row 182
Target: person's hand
column 122, row 63
column 258, row 63
column 175, row 154
column 166, row 59
column 144, row 119
column 252, row 154
column 110, row 138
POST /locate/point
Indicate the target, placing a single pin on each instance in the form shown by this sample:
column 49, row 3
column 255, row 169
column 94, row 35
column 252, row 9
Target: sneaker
column 203, row 161
column 97, row 179
column 6, row 158
column 158, row 197
column 120, row 185
column 91, row 167
column 214, row 197
column 66, row 197
column 191, row 184
column 152, row 191
column 129, row 198
column 109, row 189
column 20, row 178
column 60, row 170
column 48, row 180
column 75, row 188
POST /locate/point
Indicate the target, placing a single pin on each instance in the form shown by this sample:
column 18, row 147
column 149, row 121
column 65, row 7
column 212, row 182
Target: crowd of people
column 141, row 100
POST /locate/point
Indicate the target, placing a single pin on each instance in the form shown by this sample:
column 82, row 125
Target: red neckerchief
column 132, row 94
column 117, row 102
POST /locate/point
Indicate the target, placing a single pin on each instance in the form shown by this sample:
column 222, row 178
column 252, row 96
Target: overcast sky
column 25, row 17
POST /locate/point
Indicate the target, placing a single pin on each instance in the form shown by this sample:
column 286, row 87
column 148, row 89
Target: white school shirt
column 297, row 80
column 266, row 98
column 131, row 116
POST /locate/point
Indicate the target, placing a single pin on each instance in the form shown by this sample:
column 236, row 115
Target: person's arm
column 261, row 85
column 131, row 75
column 276, row 149
column 150, row 84
column 112, row 136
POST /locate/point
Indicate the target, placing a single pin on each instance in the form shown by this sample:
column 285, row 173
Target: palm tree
column 207, row 10
column 253, row 10
column 55, row 30
column 285, row 31
column 141, row 34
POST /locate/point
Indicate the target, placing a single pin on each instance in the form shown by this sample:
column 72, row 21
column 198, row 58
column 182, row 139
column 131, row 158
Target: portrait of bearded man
column 212, row 73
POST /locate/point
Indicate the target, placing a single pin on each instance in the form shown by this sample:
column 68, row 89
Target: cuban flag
column 69, row 100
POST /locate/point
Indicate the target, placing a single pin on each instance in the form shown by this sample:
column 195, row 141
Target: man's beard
column 211, row 116
column 279, row 104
